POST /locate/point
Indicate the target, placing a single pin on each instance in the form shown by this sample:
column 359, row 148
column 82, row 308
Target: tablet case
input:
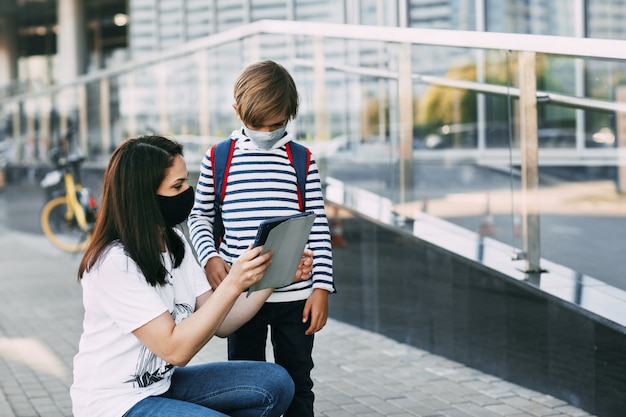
column 286, row 237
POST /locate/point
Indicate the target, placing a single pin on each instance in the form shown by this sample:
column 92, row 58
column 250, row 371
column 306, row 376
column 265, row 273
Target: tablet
column 286, row 237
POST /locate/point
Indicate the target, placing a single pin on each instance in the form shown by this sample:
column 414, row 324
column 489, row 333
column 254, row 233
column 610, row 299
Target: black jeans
column 292, row 348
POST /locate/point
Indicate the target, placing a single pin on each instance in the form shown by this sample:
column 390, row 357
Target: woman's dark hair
column 129, row 211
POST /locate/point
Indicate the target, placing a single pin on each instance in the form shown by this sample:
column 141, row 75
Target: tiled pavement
column 357, row 373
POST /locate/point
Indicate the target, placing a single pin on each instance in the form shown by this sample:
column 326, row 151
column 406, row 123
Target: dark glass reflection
column 452, row 292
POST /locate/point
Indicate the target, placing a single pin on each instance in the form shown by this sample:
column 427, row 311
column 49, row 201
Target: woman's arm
column 244, row 309
column 177, row 344
column 246, row 306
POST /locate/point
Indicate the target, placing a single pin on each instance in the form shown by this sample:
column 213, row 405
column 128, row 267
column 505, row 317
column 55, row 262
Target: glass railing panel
column 118, row 130
column 459, row 162
column 34, row 144
column 581, row 189
column 9, row 133
column 447, row 179
column 178, row 101
column 32, row 126
column 582, row 218
column 138, row 106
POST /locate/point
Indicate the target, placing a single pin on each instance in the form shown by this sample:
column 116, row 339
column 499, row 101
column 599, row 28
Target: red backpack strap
column 221, row 157
column 213, row 167
column 300, row 159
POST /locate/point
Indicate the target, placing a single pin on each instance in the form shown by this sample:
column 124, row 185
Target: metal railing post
column 319, row 91
column 161, row 75
column 17, row 130
column 105, row 116
column 131, row 105
column 620, row 122
column 405, row 115
column 31, row 136
column 45, row 107
column 83, row 130
column 203, row 94
column 529, row 163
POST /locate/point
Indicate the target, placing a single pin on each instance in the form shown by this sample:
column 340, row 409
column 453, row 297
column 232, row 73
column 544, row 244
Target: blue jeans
column 292, row 348
column 236, row 389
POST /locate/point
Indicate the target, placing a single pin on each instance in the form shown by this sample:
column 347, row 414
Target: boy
column 261, row 183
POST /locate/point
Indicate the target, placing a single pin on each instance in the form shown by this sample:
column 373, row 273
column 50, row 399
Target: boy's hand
column 305, row 267
column 216, row 270
column 316, row 311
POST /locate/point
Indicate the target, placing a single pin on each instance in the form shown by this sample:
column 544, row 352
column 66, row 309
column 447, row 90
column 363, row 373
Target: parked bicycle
column 69, row 215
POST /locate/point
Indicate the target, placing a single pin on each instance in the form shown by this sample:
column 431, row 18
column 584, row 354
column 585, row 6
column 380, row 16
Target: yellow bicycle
column 68, row 217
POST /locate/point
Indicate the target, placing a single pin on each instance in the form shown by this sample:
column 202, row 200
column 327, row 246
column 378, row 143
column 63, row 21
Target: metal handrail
column 554, row 45
column 557, row 45
column 542, row 96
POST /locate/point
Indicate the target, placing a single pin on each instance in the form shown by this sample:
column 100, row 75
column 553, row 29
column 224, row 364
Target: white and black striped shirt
column 261, row 184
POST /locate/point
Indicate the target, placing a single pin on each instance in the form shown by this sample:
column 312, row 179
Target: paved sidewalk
column 357, row 373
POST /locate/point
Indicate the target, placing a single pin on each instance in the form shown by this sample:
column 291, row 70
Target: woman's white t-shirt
column 113, row 370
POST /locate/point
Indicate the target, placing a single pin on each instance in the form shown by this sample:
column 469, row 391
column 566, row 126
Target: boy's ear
column 236, row 112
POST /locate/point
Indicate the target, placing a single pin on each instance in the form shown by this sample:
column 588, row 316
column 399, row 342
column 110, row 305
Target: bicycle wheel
column 64, row 234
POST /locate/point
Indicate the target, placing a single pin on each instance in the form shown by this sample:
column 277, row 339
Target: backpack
column 221, row 157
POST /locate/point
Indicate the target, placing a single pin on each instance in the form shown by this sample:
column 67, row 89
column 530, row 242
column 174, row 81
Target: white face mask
column 265, row 140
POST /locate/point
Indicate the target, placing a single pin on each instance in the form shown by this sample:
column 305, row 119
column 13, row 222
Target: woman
column 149, row 308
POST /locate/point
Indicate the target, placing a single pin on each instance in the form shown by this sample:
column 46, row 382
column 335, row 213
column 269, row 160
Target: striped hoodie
column 261, row 184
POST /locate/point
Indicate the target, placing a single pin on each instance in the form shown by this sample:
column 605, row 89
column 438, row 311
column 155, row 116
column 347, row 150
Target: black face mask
column 176, row 209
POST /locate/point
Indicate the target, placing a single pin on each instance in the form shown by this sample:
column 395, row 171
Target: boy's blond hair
column 264, row 90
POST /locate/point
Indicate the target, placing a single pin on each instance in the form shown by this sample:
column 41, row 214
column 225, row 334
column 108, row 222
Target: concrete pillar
column 71, row 36
column 8, row 50
column 71, row 51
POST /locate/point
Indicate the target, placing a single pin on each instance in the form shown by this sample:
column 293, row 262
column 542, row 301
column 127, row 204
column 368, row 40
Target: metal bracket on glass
column 518, row 256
